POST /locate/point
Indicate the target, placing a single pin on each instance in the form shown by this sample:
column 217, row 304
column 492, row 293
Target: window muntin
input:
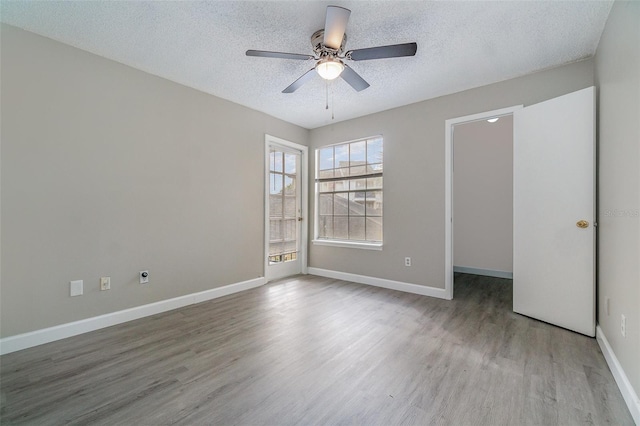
column 349, row 191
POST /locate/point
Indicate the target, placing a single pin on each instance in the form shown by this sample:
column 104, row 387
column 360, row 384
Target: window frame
column 359, row 244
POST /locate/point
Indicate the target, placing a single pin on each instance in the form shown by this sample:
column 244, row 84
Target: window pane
column 374, row 168
column 344, row 172
column 356, row 184
column 351, row 207
column 289, row 185
column 374, row 229
column 326, row 158
column 289, row 207
column 325, row 187
column 275, row 205
column 374, row 203
column 342, row 156
column 325, row 204
column 323, row 174
column 357, row 153
column 342, row 185
column 325, row 227
column 358, row 170
column 356, row 203
column 341, row 204
column 374, row 151
column 356, row 228
column 374, row 183
column 275, row 183
column 341, row 228
column 290, row 163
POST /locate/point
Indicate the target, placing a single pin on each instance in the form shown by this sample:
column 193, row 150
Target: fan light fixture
column 329, row 68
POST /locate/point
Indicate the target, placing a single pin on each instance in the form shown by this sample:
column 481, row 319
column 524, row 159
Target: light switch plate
column 75, row 288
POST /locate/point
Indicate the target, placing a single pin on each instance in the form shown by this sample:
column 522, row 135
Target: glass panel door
column 284, row 212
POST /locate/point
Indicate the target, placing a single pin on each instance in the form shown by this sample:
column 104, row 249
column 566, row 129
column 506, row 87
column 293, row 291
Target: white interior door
column 554, row 211
column 285, row 209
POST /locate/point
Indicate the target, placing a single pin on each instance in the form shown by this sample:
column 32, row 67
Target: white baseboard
column 628, row 393
column 484, row 272
column 380, row 282
column 46, row 335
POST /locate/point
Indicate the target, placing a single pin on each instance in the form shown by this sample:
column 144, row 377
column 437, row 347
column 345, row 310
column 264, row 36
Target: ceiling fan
column 328, row 45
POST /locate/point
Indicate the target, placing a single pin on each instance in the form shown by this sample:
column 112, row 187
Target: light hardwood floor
column 310, row 350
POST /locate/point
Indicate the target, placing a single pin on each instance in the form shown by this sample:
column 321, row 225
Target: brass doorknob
column 582, row 224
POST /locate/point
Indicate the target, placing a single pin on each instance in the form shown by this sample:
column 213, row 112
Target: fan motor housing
column 317, row 43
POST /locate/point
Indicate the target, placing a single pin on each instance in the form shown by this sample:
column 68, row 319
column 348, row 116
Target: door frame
column 270, row 141
column 448, row 186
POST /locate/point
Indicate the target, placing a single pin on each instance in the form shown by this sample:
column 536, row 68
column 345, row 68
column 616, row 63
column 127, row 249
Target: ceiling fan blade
column 381, row 52
column 354, row 79
column 281, row 55
column 300, row 81
column 335, row 25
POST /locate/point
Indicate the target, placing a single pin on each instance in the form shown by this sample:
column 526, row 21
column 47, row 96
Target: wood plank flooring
column 310, row 350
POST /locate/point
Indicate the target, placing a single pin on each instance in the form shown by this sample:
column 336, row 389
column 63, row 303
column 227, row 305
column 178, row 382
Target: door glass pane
column 289, row 207
column 284, row 205
column 275, row 183
column 277, row 162
column 290, row 185
column 290, row 163
column 275, row 206
column 290, row 229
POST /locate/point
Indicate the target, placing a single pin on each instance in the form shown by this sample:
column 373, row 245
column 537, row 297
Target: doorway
column 286, row 198
column 483, row 197
column 449, row 187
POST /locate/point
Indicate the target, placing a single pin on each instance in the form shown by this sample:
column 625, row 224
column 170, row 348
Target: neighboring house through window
column 349, row 193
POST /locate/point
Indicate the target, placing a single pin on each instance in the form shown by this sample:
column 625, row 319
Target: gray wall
column 618, row 76
column 106, row 171
column 414, row 138
column 483, row 195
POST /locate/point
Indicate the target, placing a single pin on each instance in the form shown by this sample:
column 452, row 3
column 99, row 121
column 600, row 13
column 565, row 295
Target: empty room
column 310, row 212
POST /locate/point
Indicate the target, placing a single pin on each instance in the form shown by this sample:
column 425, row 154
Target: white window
column 349, row 193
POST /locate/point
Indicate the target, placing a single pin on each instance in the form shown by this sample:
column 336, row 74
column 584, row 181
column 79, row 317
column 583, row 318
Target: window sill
column 348, row 244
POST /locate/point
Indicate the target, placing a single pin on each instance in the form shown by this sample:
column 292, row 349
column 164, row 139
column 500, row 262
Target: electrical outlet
column 144, row 277
column 105, row 283
column 407, row 261
column 623, row 325
column 606, row 305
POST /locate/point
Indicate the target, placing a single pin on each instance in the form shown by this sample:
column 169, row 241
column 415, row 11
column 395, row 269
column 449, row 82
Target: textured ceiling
column 202, row 44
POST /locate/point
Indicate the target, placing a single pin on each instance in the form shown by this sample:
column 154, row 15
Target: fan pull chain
column 333, row 103
column 326, row 86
